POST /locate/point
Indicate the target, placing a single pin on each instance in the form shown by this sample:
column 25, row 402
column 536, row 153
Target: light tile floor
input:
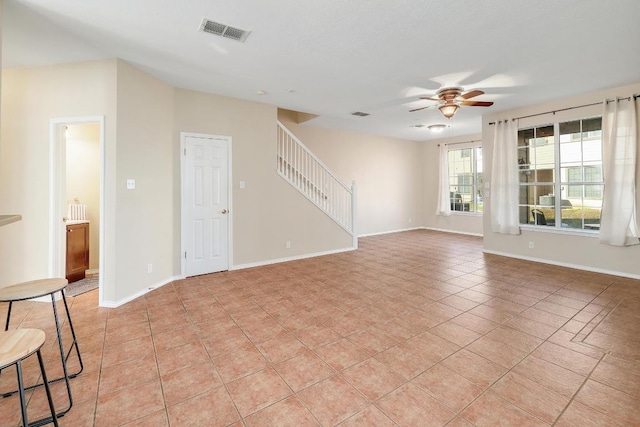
column 414, row 328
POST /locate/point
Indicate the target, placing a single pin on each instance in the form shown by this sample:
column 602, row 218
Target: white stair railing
column 302, row 169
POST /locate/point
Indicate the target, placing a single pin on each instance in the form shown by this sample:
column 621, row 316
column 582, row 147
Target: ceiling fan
column 452, row 98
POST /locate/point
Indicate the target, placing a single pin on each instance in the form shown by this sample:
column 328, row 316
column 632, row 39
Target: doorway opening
column 77, row 201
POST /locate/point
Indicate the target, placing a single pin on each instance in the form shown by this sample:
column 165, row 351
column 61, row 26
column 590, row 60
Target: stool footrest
column 45, row 421
column 31, row 387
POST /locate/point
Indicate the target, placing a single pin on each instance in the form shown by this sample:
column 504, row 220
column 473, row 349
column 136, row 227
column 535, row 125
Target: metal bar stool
column 15, row 346
column 40, row 288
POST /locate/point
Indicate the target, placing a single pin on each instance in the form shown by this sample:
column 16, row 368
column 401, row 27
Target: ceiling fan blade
column 418, row 109
column 477, row 103
column 430, row 99
column 471, row 94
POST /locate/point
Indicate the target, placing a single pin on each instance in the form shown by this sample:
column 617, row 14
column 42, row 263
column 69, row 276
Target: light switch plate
column 131, row 184
column 242, row 184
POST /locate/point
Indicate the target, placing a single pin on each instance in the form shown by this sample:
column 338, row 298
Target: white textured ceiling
column 343, row 56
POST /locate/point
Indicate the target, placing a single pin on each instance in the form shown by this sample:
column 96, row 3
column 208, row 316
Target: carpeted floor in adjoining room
column 81, row 286
column 413, row 328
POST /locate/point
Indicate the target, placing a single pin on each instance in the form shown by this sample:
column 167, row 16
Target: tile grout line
column 155, row 356
column 510, row 369
column 579, row 389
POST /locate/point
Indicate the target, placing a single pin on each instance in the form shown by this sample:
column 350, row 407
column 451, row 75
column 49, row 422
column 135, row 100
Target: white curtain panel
column 444, row 199
column 618, row 224
column 504, row 179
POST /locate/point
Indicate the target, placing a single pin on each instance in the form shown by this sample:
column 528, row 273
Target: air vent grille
column 224, row 30
column 213, row 27
column 360, row 114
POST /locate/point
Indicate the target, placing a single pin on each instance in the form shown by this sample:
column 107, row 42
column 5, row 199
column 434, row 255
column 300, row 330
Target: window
column 591, row 174
column 562, row 159
column 465, row 179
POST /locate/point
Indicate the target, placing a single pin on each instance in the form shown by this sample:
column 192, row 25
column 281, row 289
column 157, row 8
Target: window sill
column 566, row 231
column 466, row 213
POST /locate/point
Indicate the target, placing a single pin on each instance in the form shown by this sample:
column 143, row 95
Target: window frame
column 477, row 188
column 558, row 182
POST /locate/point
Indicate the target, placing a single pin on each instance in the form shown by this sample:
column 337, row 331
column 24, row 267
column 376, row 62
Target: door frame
column 183, row 224
column 57, row 198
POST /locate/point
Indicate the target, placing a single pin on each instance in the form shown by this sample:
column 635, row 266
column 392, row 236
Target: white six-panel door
column 205, row 204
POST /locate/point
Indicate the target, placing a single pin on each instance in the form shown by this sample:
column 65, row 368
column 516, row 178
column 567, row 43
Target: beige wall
column 469, row 223
column 387, row 172
column 0, row 54
column 143, row 119
column 268, row 211
column 582, row 251
column 83, row 179
column 144, row 216
column 30, row 98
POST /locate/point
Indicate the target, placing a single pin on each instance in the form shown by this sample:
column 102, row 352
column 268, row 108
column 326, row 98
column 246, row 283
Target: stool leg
column 62, row 352
column 6, row 325
column 23, row 403
column 73, row 335
column 54, row 417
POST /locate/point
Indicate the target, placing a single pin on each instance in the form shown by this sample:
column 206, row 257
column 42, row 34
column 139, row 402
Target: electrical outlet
column 149, row 268
column 531, row 245
column 288, row 244
column 131, row 184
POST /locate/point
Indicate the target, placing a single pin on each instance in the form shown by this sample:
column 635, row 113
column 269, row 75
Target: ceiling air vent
column 224, row 30
column 360, row 114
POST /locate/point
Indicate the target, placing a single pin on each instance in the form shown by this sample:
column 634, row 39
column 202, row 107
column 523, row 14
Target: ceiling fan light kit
column 448, row 110
column 451, row 99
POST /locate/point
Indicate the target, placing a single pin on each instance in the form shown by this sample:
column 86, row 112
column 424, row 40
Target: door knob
column 224, row 211
column 64, row 219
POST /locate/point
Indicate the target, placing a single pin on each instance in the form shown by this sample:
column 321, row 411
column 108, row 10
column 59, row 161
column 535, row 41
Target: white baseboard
column 452, row 231
column 421, row 228
column 115, row 304
column 564, row 264
column 293, row 258
column 389, row 232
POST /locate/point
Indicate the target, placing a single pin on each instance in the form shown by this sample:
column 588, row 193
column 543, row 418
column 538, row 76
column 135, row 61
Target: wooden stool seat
column 19, row 344
column 15, row 346
column 33, row 289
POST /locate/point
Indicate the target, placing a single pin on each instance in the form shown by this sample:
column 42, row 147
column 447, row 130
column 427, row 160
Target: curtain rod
column 463, row 142
column 572, row 108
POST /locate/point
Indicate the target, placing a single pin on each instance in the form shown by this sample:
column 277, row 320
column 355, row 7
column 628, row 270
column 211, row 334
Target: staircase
column 302, row 169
